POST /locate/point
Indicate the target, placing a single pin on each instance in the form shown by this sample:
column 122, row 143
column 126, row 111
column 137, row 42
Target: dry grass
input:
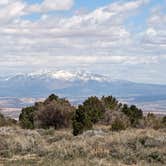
column 100, row 147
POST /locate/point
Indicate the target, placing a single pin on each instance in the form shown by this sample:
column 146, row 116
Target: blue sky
column 125, row 39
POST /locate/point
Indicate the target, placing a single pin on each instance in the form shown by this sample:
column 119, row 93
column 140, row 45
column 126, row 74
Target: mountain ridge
column 62, row 75
column 76, row 84
column 17, row 90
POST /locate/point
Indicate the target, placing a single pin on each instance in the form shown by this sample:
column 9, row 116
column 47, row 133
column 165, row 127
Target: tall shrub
column 81, row 121
column 26, row 117
column 94, row 109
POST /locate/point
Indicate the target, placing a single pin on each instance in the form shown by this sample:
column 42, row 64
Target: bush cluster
column 90, row 112
column 59, row 113
column 53, row 112
column 106, row 110
column 133, row 113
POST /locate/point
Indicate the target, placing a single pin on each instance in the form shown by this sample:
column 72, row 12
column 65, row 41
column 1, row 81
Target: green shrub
column 111, row 103
column 78, row 128
column 94, row 109
column 133, row 113
column 51, row 98
column 90, row 112
column 26, row 117
column 81, row 121
column 118, row 125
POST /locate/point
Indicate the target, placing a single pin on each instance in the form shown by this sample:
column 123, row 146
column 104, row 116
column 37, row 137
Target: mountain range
column 77, row 86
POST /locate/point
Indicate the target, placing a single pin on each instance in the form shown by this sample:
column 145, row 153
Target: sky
column 125, row 39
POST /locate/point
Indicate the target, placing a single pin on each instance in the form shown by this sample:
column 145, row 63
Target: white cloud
column 154, row 37
column 10, row 10
column 4, row 2
column 51, row 5
column 90, row 40
column 151, row 32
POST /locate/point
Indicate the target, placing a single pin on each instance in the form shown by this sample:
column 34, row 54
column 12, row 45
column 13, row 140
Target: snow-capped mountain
column 42, row 83
column 61, row 75
column 76, row 85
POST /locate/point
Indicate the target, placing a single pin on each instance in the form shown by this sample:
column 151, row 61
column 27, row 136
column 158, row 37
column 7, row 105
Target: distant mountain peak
column 65, row 75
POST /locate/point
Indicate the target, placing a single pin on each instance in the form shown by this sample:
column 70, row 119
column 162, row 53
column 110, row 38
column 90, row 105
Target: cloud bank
column 100, row 40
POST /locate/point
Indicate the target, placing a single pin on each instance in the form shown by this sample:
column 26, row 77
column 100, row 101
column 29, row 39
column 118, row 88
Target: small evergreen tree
column 133, row 113
column 81, row 121
column 110, row 103
column 51, row 98
column 94, row 109
column 26, row 118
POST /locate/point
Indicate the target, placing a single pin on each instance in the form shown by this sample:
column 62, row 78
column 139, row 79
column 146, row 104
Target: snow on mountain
column 74, row 85
column 62, row 75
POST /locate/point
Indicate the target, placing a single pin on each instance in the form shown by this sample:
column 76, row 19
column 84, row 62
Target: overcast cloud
column 107, row 39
